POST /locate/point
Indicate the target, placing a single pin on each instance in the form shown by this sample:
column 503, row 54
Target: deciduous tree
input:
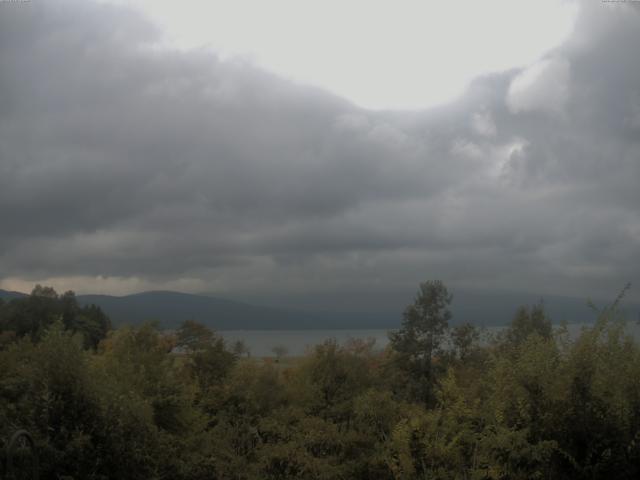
column 419, row 339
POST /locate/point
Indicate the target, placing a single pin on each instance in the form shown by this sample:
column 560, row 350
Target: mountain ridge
column 170, row 308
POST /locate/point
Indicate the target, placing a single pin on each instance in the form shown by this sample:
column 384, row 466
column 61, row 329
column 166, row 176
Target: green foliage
column 419, row 341
column 144, row 404
column 327, row 381
column 528, row 321
column 464, row 340
column 193, row 336
column 51, row 389
column 32, row 315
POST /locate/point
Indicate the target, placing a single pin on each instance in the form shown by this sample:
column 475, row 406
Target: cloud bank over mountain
column 125, row 166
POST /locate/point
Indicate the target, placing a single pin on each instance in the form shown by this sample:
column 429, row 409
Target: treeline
column 32, row 315
column 437, row 403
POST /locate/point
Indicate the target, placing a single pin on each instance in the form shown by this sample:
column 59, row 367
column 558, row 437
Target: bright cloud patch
column 378, row 54
column 483, row 124
column 544, row 87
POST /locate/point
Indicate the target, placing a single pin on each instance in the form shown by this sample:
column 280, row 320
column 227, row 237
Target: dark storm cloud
column 124, row 159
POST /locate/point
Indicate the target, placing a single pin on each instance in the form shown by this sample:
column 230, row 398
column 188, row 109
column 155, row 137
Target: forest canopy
column 439, row 402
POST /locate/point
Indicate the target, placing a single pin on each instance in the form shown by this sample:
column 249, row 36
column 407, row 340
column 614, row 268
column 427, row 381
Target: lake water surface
column 298, row 342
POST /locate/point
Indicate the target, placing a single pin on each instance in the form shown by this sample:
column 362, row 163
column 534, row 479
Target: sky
column 312, row 153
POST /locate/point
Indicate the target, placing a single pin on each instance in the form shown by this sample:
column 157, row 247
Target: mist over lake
column 299, row 342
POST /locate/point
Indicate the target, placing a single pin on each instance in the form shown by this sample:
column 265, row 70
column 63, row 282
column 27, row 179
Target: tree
column 240, row 348
column 209, row 361
column 464, row 338
column 93, row 323
column 419, row 340
column 330, row 379
column 30, row 316
column 44, row 292
column 280, row 351
column 528, row 321
column 194, row 336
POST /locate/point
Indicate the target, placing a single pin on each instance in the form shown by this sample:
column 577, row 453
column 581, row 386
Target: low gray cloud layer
column 157, row 168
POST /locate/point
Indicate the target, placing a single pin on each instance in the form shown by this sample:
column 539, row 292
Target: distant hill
column 171, row 308
column 6, row 295
column 494, row 308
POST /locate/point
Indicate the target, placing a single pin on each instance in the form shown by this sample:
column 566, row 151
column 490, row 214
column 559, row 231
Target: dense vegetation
column 136, row 403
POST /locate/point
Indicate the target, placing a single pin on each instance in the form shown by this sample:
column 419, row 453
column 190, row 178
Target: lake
column 297, row 342
column 261, row 342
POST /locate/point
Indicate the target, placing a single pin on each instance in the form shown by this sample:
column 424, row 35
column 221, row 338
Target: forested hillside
column 134, row 403
column 169, row 309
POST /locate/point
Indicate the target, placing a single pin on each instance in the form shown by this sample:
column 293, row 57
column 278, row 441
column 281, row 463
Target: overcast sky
column 277, row 163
